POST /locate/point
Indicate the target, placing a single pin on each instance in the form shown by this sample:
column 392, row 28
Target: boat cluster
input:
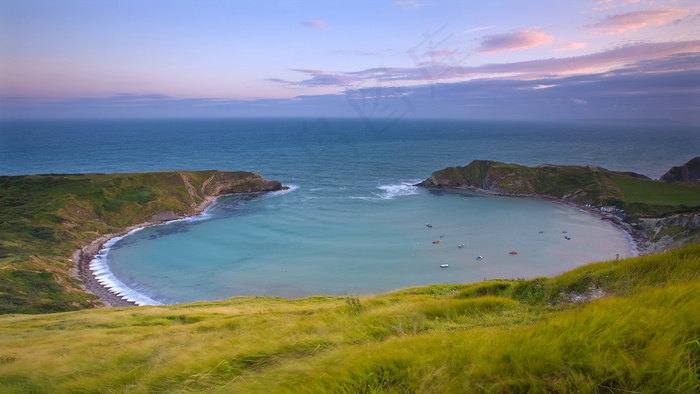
column 460, row 246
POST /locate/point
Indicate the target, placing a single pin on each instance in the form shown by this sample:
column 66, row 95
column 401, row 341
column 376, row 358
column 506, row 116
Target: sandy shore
column 83, row 256
column 637, row 237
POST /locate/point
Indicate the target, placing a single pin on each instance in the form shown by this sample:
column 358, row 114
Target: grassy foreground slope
column 43, row 218
column 619, row 326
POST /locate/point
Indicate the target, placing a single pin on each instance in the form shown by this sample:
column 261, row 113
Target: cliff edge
column 690, row 171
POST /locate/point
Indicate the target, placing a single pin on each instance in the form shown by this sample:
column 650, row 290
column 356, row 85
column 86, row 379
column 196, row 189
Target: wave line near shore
column 98, row 280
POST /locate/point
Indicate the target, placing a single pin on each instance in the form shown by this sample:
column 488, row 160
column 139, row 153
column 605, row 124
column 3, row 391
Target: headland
column 657, row 215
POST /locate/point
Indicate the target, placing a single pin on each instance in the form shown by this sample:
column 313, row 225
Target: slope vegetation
column 618, row 326
column 43, row 218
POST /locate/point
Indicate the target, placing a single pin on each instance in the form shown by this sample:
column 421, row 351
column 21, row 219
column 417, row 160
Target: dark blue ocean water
column 351, row 223
column 285, row 149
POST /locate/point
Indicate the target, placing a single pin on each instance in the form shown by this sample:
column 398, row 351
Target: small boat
column 460, row 246
column 437, row 241
column 429, row 225
column 564, row 231
column 444, row 265
column 479, row 258
column 442, row 236
column 567, row 237
column 513, row 252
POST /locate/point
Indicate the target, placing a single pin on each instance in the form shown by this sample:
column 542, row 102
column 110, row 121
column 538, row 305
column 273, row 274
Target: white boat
column 444, row 265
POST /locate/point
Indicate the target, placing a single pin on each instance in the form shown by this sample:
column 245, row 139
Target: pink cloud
column 617, row 57
column 307, row 71
column 632, row 21
column 318, row 25
column 571, row 45
column 645, row 57
column 523, row 39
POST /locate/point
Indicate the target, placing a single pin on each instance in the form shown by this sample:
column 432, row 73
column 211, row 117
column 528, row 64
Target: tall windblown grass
column 618, row 326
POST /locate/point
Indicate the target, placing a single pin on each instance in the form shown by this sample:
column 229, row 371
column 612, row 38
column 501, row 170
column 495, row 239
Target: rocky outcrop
column 223, row 182
column 690, row 171
column 670, row 232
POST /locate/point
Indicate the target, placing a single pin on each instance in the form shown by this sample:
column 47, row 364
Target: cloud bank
column 631, row 21
column 518, row 40
column 652, row 80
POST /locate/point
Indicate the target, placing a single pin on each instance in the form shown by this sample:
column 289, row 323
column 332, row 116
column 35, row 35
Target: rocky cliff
column 222, row 182
column 690, row 171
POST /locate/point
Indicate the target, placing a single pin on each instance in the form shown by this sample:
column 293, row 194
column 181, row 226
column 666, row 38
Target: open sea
column 351, row 223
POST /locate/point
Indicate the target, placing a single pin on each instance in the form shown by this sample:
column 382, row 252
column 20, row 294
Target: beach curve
column 84, row 256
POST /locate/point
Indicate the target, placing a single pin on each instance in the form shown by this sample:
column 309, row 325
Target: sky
column 468, row 59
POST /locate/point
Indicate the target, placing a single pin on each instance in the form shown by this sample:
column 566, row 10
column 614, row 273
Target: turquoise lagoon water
column 351, row 223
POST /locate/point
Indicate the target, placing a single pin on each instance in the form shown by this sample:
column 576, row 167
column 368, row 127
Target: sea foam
column 398, row 190
column 106, row 278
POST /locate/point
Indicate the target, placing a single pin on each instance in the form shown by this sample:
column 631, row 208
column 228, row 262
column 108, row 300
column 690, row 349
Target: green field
column 618, row 327
column 657, row 193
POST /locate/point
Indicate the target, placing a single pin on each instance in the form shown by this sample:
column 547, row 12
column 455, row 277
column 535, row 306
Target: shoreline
column 110, row 299
column 636, row 237
column 85, row 255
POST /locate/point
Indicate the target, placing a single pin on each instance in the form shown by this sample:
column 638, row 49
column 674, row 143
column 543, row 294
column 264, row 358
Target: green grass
column 637, row 195
column 657, row 193
column 618, row 326
column 43, row 218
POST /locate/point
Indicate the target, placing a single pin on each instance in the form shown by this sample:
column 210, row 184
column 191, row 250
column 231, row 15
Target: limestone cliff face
column 195, row 190
column 690, row 171
column 670, row 232
column 222, row 182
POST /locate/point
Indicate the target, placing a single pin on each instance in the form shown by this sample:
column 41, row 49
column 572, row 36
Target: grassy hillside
column 43, row 218
column 619, row 326
column 636, row 194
